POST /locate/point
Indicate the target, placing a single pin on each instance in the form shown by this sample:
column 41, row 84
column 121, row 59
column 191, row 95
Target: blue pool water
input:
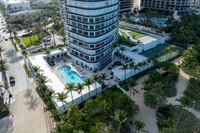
column 70, row 76
column 160, row 20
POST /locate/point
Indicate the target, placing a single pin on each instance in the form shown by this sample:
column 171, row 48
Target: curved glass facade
column 91, row 28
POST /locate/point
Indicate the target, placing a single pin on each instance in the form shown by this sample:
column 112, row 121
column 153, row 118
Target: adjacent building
column 126, row 6
column 16, row 5
column 166, row 5
column 21, row 15
column 91, row 28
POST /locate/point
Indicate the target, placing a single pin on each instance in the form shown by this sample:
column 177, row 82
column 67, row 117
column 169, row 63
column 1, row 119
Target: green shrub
column 27, row 71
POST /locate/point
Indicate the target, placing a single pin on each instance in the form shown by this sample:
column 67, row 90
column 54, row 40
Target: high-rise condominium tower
column 126, row 5
column 91, row 28
column 166, row 5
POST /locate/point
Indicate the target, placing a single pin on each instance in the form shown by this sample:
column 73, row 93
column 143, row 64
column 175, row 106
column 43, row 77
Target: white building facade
column 91, row 28
column 16, row 5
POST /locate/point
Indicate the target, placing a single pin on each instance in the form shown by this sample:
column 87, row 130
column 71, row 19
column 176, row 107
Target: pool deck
column 57, row 82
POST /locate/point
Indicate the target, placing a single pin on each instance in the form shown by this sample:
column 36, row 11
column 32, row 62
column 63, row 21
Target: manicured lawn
column 27, row 42
column 136, row 34
column 124, row 34
column 133, row 33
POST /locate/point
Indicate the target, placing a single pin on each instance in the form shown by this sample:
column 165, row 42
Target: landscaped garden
column 109, row 111
column 34, row 40
column 124, row 34
column 132, row 33
column 174, row 119
column 193, row 93
column 162, row 52
column 191, row 62
column 160, row 86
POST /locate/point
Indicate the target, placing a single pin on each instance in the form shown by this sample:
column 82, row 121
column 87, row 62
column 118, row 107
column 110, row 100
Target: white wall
column 150, row 45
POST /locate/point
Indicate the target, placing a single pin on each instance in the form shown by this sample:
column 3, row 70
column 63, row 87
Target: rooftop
column 55, row 82
column 23, row 12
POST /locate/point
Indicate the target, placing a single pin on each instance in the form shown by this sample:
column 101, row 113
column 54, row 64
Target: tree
column 69, row 87
column 139, row 125
column 61, row 97
column 103, row 78
column 3, row 69
column 124, row 68
column 37, row 29
column 79, row 87
column 62, row 33
column 37, row 69
column 10, row 29
column 88, row 82
column 95, row 78
column 140, row 64
column 71, row 113
column 42, row 80
column 120, row 118
column 122, row 49
column 115, row 45
column 185, row 101
column 131, row 83
column 1, row 50
column 24, row 54
column 30, row 34
column 53, row 31
column 131, row 66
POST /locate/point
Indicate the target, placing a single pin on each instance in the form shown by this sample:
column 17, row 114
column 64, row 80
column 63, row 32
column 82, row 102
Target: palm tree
column 167, row 50
column 185, row 101
column 135, row 68
column 61, row 97
column 115, row 45
column 3, row 69
column 140, row 64
column 139, row 125
column 131, row 83
column 120, row 118
column 1, row 50
column 88, row 82
column 149, row 61
column 38, row 30
column 124, row 68
column 79, row 87
column 144, row 63
column 122, row 49
column 103, row 78
column 62, row 33
column 95, row 78
column 29, row 32
column 69, row 87
column 37, row 69
column 24, row 54
column 42, row 80
column 10, row 29
column 172, row 47
column 131, row 66
column 53, row 31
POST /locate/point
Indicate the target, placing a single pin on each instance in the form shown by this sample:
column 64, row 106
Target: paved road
column 27, row 106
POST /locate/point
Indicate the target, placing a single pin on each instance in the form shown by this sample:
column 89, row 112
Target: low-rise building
column 16, row 5
column 21, row 15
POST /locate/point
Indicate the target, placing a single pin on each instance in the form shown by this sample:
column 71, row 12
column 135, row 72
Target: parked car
column 12, row 79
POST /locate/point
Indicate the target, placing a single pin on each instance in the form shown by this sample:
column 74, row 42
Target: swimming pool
column 69, row 75
column 160, row 20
